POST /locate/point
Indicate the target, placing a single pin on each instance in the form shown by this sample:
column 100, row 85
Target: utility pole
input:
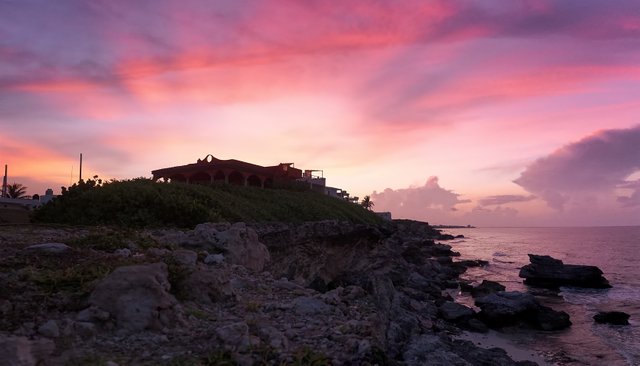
column 80, row 178
column 4, row 182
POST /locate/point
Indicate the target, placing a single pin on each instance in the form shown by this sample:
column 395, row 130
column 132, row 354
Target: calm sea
column 616, row 250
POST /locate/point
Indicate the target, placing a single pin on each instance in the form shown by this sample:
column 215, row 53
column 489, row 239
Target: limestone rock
column 49, row 248
column 207, row 285
column 137, row 296
column 234, row 335
column 238, row 242
column 545, row 271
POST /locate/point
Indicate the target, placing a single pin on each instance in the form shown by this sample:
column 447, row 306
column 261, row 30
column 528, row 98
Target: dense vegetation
column 143, row 203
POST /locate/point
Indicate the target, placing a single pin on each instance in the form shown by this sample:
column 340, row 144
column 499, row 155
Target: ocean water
column 615, row 250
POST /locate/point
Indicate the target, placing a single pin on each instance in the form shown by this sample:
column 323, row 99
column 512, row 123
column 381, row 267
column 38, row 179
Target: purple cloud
column 504, row 199
column 597, row 164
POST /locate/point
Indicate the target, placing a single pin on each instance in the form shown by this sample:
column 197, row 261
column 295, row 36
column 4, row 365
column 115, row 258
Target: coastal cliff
column 313, row 293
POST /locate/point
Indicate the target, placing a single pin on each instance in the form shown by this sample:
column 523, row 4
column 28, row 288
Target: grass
column 72, row 273
column 143, row 203
column 110, row 240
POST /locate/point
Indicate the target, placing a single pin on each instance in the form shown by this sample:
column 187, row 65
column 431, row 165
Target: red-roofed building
column 210, row 170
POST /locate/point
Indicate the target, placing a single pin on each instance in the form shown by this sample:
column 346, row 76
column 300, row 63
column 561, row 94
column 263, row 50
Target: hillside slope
column 143, row 203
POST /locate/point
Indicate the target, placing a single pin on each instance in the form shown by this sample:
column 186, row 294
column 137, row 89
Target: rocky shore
column 319, row 293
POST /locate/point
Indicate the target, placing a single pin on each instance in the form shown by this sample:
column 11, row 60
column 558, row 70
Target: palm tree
column 367, row 203
column 16, row 190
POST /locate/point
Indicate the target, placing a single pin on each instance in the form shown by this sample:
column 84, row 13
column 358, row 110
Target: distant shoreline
column 453, row 227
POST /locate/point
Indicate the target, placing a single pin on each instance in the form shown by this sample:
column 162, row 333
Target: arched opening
column 200, row 178
column 268, row 183
column 254, row 181
column 236, row 178
column 219, row 176
column 177, row 178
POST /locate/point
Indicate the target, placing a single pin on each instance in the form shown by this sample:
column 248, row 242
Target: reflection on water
column 614, row 250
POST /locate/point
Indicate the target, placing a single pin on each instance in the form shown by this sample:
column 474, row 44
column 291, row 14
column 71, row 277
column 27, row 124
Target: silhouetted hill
column 143, row 203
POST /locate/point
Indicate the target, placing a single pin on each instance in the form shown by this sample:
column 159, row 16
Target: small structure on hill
column 237, row 172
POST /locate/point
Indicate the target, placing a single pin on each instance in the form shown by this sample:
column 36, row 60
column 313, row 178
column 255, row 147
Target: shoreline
column 350, row 292
column 500, row 340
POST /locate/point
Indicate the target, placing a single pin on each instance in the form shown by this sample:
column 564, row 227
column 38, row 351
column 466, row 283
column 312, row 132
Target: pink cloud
column 430, row 201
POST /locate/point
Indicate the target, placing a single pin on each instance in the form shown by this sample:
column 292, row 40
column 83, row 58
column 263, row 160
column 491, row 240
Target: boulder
column 238, row 242
column 548, row 319
column 548, row 272
column 454, row 312
column 486, row 288
column 512, row 308
column 207, row 285
column 612, row 317
column 138, row 297
column 49, row 329
column 234, row 335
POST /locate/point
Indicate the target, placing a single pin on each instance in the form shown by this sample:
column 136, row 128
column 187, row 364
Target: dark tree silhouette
column 367, row 203
column 16, row 190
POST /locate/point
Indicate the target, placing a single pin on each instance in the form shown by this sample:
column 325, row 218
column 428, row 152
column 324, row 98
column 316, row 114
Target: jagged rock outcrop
column 485, row 288
column 513, row 308
column 138, row 297
column 238, row 243
column 355, row 294
column 548, row 272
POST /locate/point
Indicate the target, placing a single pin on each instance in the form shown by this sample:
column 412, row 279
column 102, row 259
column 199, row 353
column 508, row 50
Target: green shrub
column 143, row 203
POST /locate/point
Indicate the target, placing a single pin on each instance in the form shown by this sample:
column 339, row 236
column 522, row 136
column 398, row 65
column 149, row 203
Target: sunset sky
column 487, row 112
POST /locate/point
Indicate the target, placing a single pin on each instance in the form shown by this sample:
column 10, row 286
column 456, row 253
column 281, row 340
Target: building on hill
column 210, row 170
